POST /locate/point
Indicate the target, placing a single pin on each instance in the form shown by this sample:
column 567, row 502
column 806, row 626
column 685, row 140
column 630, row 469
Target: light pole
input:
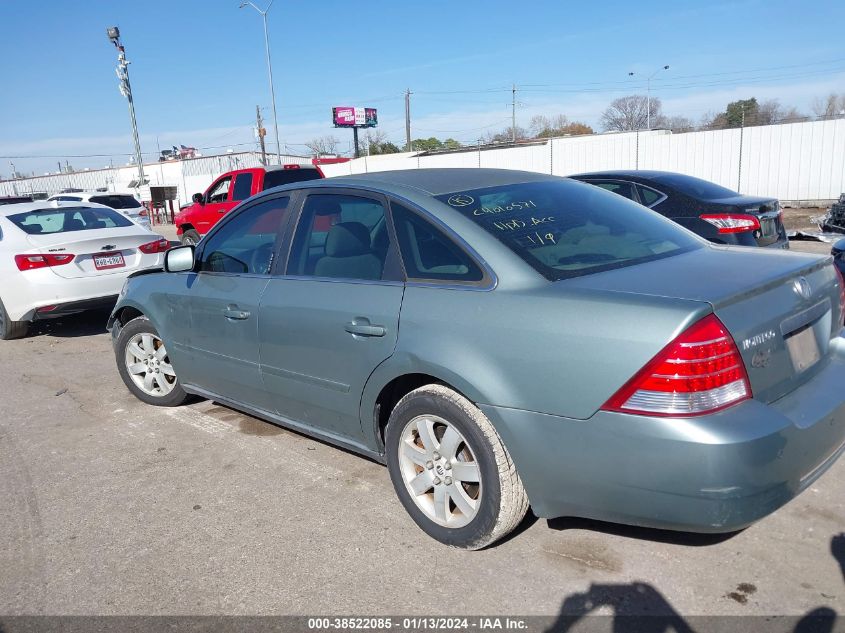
column 122, row 72
column 648, row 94
column 270, row 72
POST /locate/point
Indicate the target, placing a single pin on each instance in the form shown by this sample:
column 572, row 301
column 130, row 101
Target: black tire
column 502, row 500
column 9, row 329
column 141, row 325
column 190, row 237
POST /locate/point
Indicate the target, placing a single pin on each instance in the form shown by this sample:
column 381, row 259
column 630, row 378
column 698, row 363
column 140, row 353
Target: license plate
column 803, row 349
column 104, row 261
column 767, row 226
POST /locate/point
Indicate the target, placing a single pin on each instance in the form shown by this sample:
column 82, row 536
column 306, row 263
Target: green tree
column 743, row 110
column 426, row 144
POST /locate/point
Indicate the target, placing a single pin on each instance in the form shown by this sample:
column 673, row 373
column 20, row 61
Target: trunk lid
column 84, row 245
column 782, row 325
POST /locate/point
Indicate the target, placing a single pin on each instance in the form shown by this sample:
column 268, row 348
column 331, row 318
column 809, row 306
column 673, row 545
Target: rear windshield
column 567, row 228
column 67, row 219
column 695, row 187
column 117, row 202
column 279, row 177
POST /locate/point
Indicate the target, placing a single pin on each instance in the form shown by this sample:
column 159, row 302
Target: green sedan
column 503, row 339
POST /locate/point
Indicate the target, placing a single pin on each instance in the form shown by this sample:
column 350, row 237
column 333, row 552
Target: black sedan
column 710, row 210
column 838, row 252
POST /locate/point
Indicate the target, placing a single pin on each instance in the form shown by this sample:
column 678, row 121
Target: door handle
column 363, row 327
column 233, row 313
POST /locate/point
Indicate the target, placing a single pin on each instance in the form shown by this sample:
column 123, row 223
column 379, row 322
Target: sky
column 198, row 67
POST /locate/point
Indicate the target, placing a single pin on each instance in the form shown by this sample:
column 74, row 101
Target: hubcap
column 440, row 471
column 149, row 366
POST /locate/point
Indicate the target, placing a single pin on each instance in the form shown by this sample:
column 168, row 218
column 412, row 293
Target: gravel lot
column 109, row 506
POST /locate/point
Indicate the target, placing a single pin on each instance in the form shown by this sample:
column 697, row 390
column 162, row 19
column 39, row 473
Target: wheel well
column 187, row 227
column 394, row 391
column 127, row 314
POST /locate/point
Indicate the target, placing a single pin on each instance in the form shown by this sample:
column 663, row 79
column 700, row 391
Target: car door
column 232, row 271
column 216, row 202
column 333, row 317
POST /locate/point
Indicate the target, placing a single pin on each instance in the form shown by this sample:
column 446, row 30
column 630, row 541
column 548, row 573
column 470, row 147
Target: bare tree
column 830, row 106
column 772, row 111
column 678, row 124
column 323, row 145
column 630, row 113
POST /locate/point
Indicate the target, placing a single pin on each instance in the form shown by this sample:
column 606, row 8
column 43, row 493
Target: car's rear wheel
column 190, row 238
column 144, row 365
column 11, row 329
column 450, row 469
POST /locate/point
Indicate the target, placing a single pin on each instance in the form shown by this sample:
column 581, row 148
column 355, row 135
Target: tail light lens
column 290, row 166
column 732, row 222
column 700, row 372
column 841, row 293
column 151, row 248
column 33, row 262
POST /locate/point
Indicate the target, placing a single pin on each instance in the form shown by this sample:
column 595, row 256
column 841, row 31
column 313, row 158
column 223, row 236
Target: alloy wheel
column 440, row 471
column 148, row 365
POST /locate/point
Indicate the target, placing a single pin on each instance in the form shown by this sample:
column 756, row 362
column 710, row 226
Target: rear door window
column 427, row 253
column 649, row 196
column 564, row 229
column 624, row 189
column 67, row 219
column 243, row 186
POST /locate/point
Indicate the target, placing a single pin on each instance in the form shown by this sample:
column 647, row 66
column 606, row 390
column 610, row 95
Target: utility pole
column 741, row 134
column 408, row 147
column 122, row 71
column 513, row 113
column 261, row 134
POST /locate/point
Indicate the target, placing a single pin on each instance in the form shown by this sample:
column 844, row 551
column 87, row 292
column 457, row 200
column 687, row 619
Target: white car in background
column 57, row 258
column 124, row 203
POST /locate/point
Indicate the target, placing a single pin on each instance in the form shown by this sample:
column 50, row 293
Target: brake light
column 151, row 248
column 290, row 166
column 732, row 222
column 841, row 293
column 700, row 372
column 33, row 262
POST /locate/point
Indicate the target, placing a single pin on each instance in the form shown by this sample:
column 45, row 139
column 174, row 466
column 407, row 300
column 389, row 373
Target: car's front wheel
column 451, row 470
column 190, row 238
column 144, row 365
column 11, row 329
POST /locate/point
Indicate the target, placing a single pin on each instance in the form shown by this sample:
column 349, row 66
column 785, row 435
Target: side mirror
column 197, row 197
column 179, row 259
column 840, row 245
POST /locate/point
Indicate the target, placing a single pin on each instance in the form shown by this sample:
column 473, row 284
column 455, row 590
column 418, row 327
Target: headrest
column 328, row 208
column 347, row 239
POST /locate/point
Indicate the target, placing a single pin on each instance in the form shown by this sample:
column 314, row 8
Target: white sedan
column 57, row 259
column 124, row 203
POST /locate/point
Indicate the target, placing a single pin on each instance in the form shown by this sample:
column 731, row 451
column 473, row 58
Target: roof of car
column 629, row 173
column 436, row 181
column 42, row 205
column 84, row 195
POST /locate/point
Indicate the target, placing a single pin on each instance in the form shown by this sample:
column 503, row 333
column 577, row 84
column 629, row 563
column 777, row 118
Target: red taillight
column 841, row 292
column 732, row 222
column 290, row 166
column 143, row 213
column 700, row 372
column 159, row 246
column 32, row 262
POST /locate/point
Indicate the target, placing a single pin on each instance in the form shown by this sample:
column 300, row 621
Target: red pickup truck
column 230, row 189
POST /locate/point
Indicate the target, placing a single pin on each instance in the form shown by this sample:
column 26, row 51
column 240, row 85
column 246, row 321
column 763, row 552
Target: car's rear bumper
column 72, row 307
column 715, row 473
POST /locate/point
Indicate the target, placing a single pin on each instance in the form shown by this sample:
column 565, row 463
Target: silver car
column 500, row 339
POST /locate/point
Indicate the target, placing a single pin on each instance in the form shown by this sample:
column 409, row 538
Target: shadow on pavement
column 87, row 323
column 642, row 533
column 837, row 548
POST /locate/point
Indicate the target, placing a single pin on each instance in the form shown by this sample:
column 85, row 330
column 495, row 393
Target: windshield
column 117, row 202
column 565, row 228
column 67, row 219
column 695, row 187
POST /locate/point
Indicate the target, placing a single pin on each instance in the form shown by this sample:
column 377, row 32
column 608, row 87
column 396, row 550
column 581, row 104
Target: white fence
column 188, row 176
column 796, row 162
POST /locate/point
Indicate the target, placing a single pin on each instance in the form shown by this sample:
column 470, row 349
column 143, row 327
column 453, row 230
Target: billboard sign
column 346, row 116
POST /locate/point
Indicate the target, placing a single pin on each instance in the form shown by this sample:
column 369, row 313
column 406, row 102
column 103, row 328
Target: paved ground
column 109, row 506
